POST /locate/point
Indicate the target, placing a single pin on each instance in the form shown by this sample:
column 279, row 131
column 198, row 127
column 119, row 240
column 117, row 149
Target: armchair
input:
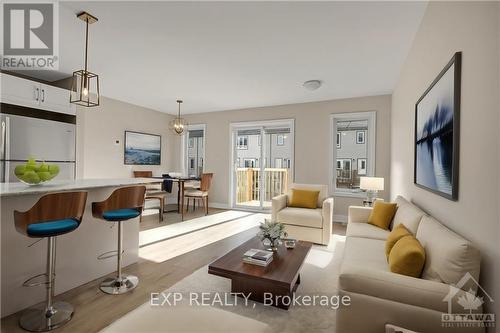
column 313, row 225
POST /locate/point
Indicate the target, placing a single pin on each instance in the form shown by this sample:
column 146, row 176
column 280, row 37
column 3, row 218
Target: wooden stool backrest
column 126, row 197
column 206, row 181
column 50, row 207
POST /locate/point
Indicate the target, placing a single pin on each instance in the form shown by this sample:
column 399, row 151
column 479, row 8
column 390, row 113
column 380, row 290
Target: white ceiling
column 232, row 55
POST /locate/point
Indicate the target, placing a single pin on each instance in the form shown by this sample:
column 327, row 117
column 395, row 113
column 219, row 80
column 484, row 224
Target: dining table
column 181, row 181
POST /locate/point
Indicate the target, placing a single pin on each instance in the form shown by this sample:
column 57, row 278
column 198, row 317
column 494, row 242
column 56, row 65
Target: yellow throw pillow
column 407, row 257
column 304, row 198
column 396, row 234
column 382, row 214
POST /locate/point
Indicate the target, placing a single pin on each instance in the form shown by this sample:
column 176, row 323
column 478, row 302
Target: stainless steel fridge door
column 42, row 139
column 66, row 171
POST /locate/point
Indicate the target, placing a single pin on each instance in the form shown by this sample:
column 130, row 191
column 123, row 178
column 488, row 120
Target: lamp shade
column 372, row 183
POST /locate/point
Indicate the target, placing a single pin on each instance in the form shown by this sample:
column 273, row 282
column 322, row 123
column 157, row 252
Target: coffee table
column 279, row 279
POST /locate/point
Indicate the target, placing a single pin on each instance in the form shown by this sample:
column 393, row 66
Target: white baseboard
column 340, row 218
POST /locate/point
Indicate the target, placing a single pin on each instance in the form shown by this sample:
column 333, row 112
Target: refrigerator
column 46, row 140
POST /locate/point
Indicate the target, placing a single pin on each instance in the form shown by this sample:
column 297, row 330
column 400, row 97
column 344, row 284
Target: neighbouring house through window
column 353, row 142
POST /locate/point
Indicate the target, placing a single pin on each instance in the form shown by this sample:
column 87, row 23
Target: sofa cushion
column 382, row 214
column 323, row 191
column 407, row 214
column 304, row 198
column 449, row 256
column 366, row 230
column 365, row 252
column 407, row 257
column 301, row 216
column 396, row 234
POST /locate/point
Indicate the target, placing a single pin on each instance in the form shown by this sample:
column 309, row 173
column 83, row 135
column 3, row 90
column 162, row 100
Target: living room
column 242, row 109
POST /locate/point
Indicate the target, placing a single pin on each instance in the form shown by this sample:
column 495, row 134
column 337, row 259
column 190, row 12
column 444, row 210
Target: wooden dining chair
column 153, row 193
column 202, row 193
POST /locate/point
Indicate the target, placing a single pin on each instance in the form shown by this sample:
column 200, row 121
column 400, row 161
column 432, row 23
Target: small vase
column 271, row 244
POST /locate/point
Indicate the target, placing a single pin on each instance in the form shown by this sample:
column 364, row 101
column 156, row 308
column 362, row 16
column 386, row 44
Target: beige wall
column 98, row 156
column 473, row 29
column 312, row 141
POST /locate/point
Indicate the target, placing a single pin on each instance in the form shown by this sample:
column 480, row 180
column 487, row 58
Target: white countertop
column 12, row 189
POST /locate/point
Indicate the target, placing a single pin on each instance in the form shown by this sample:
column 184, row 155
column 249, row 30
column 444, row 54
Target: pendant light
column 179, row 125
column 85, row 84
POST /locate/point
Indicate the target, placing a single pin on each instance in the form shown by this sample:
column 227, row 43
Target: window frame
column 370, row 141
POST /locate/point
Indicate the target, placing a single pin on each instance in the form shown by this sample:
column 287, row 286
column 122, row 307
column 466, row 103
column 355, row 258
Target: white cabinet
column 19, row 91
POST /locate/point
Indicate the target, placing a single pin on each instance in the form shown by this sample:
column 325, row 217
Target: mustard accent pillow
column 382, row 214
column 303, row 198
column 396, row 234
column 407, row 257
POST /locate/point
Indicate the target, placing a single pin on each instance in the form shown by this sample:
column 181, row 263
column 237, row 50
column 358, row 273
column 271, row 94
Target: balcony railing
column 347, row 179
column 275, row 182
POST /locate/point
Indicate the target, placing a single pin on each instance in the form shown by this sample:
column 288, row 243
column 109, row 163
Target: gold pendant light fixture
column 179, row 125
column 85, row 84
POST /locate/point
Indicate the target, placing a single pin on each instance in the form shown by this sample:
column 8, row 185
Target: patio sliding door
column 262, row 162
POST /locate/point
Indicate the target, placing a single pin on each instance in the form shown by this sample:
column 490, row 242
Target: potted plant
column 271, row 233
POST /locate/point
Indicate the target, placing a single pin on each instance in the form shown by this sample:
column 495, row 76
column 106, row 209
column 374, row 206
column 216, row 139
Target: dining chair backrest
column 51, row 207
column 206, row 181
column 143, row 174
column 126, row 197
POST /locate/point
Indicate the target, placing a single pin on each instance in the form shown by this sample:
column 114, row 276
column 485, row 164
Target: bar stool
column 53, row 215
column 123, row 204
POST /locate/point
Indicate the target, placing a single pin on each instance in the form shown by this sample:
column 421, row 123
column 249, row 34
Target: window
column 280, row 140
column 361, row 166
column 249, row 162
column 193, row 151
column 242, row 142
column 278, row 163
column 191, row 143
column 287, row 163
column 353, row 151
column 360, row 137
column 191, row 163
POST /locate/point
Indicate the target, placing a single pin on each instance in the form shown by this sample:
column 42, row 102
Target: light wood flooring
column 95, row 310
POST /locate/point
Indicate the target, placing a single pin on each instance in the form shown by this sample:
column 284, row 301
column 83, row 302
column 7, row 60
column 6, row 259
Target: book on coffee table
column 258, row 257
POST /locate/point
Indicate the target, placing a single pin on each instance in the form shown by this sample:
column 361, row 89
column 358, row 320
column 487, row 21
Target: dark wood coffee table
column 280, row 278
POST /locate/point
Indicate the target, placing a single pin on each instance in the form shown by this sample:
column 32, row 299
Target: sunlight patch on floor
column 173, row 247
column 180, row 228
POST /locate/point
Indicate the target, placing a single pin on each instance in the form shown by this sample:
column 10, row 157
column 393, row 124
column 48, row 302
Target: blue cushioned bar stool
column 123, row 204
column 53, row 215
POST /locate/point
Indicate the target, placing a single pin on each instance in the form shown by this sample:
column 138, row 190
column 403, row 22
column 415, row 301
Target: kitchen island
column 77, row 251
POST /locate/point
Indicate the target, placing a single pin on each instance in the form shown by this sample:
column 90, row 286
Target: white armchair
column 313, row 225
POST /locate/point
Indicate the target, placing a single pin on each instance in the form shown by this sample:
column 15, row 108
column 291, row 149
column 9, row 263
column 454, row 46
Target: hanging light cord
column 86, row 41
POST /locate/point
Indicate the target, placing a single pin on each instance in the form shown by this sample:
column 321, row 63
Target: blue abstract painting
column 435, row 159
column 142, row 148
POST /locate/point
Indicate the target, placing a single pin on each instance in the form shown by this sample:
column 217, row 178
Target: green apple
column 44, row 175
column 20, row 170
column 30, row 167
column 44, row 167
column 31, row 177
column 31, row 160
column 54, row 169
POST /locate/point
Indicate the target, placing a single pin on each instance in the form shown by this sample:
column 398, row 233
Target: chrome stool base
column 38, row 319
column 116, row 286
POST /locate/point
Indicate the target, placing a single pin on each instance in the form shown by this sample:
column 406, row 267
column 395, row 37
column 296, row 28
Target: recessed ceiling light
column 312, row 84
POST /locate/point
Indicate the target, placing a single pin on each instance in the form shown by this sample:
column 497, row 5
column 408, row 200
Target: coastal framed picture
column 437, row 137
column 142, row 148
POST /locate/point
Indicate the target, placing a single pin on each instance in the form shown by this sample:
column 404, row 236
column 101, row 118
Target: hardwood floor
column 150, row 217
column 95, row 310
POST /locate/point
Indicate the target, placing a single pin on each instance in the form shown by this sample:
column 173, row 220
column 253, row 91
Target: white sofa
column 380, row 297
column 313, row 225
